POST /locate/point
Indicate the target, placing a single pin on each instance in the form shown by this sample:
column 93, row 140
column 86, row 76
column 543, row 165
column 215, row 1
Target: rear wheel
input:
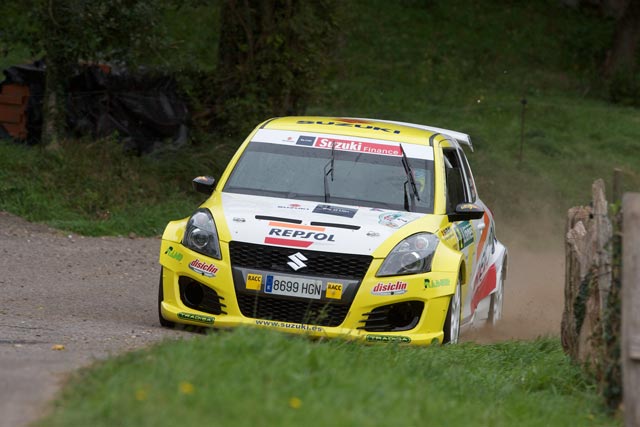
column 452, row 322
column 164, row 322
column 497, row 298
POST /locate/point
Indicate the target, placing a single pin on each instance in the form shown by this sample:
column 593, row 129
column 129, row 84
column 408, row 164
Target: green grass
column 253, row 377
column 97, row 189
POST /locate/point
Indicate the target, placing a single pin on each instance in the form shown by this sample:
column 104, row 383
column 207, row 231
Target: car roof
column 371, row 128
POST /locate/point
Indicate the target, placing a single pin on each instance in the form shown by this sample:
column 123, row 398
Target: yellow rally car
column 338, row 227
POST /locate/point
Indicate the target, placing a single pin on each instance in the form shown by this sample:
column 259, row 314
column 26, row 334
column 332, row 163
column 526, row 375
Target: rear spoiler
column 461, row 138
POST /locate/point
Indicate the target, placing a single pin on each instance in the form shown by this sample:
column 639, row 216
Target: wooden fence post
column 603, row 231
column 631, row 308
column 587, row 279
column 617, row 185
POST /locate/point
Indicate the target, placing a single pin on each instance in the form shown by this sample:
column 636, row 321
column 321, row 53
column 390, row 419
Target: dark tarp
column 143, row 109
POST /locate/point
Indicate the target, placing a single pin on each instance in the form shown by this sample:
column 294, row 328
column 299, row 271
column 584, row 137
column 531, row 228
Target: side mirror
column 204, row 184
column 466, row 212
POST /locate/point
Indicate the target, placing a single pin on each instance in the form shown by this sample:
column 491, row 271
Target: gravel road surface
column 65, row 301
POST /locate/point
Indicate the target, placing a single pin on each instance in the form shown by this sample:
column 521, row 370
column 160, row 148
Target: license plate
column 293, row 286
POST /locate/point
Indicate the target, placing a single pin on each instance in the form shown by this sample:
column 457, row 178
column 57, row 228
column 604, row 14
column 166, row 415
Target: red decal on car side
column 487, row 285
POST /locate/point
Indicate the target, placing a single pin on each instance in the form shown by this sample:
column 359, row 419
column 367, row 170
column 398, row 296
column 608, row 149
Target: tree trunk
column 54, row 116
column 236, row 46
column 622, row 56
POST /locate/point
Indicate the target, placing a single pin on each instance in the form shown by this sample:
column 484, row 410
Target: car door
column 472, row 235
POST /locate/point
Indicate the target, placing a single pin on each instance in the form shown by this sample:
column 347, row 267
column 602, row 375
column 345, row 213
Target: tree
column 272, row 55
column 623, row 54
column 622, row 65
column 66, row 32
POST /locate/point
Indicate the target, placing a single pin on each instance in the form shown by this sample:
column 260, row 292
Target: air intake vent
column 401, row 316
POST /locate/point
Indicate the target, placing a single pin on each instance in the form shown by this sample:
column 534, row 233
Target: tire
column 452, row 322
column 163, row 322
column 497, row 299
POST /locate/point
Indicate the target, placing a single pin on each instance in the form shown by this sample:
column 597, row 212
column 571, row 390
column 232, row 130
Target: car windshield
column 305, row 173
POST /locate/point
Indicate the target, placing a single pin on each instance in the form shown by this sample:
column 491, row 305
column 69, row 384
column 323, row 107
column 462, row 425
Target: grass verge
column 251, row 377
column 94, row 188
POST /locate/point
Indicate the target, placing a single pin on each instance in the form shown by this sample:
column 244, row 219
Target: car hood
column 315, row 226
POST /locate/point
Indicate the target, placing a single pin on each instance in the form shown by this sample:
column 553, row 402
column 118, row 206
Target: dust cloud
column 534, row 292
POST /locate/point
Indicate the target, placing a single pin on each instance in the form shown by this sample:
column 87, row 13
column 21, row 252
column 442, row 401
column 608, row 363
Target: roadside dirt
column 95, row 297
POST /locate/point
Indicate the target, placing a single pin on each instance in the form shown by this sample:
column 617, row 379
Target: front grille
column 272, row 258
column 293, row 311
column 401, row 316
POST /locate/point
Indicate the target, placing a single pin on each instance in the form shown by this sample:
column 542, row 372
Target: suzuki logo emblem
column 297, row 261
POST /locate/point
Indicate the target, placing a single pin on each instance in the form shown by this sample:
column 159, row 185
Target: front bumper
column 225, row 294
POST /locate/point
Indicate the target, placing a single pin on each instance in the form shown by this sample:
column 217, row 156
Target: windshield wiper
column 330, row 171
column 410, row 180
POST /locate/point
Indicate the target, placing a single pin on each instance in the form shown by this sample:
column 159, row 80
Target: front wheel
column 164, row 322
column 452, row 322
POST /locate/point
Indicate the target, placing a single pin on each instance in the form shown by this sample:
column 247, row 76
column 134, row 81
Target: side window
column 457, row 188
column 473, row 195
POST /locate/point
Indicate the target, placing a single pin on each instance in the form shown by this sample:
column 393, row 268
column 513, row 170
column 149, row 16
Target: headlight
column 411, row 256
column 201, row 234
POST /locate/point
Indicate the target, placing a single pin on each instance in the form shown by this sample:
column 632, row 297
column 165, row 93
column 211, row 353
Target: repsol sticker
column 197, row 318
column 388, row 338
column 301, row 236
column 464, row 232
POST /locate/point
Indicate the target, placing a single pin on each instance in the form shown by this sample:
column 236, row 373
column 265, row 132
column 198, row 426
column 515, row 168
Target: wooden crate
column 13, row 109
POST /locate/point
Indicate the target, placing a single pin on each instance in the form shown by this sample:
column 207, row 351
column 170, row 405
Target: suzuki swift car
column 364, row 229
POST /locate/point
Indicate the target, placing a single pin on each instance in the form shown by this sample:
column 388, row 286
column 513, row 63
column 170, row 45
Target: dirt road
column 97, row 296
column 94, row 296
